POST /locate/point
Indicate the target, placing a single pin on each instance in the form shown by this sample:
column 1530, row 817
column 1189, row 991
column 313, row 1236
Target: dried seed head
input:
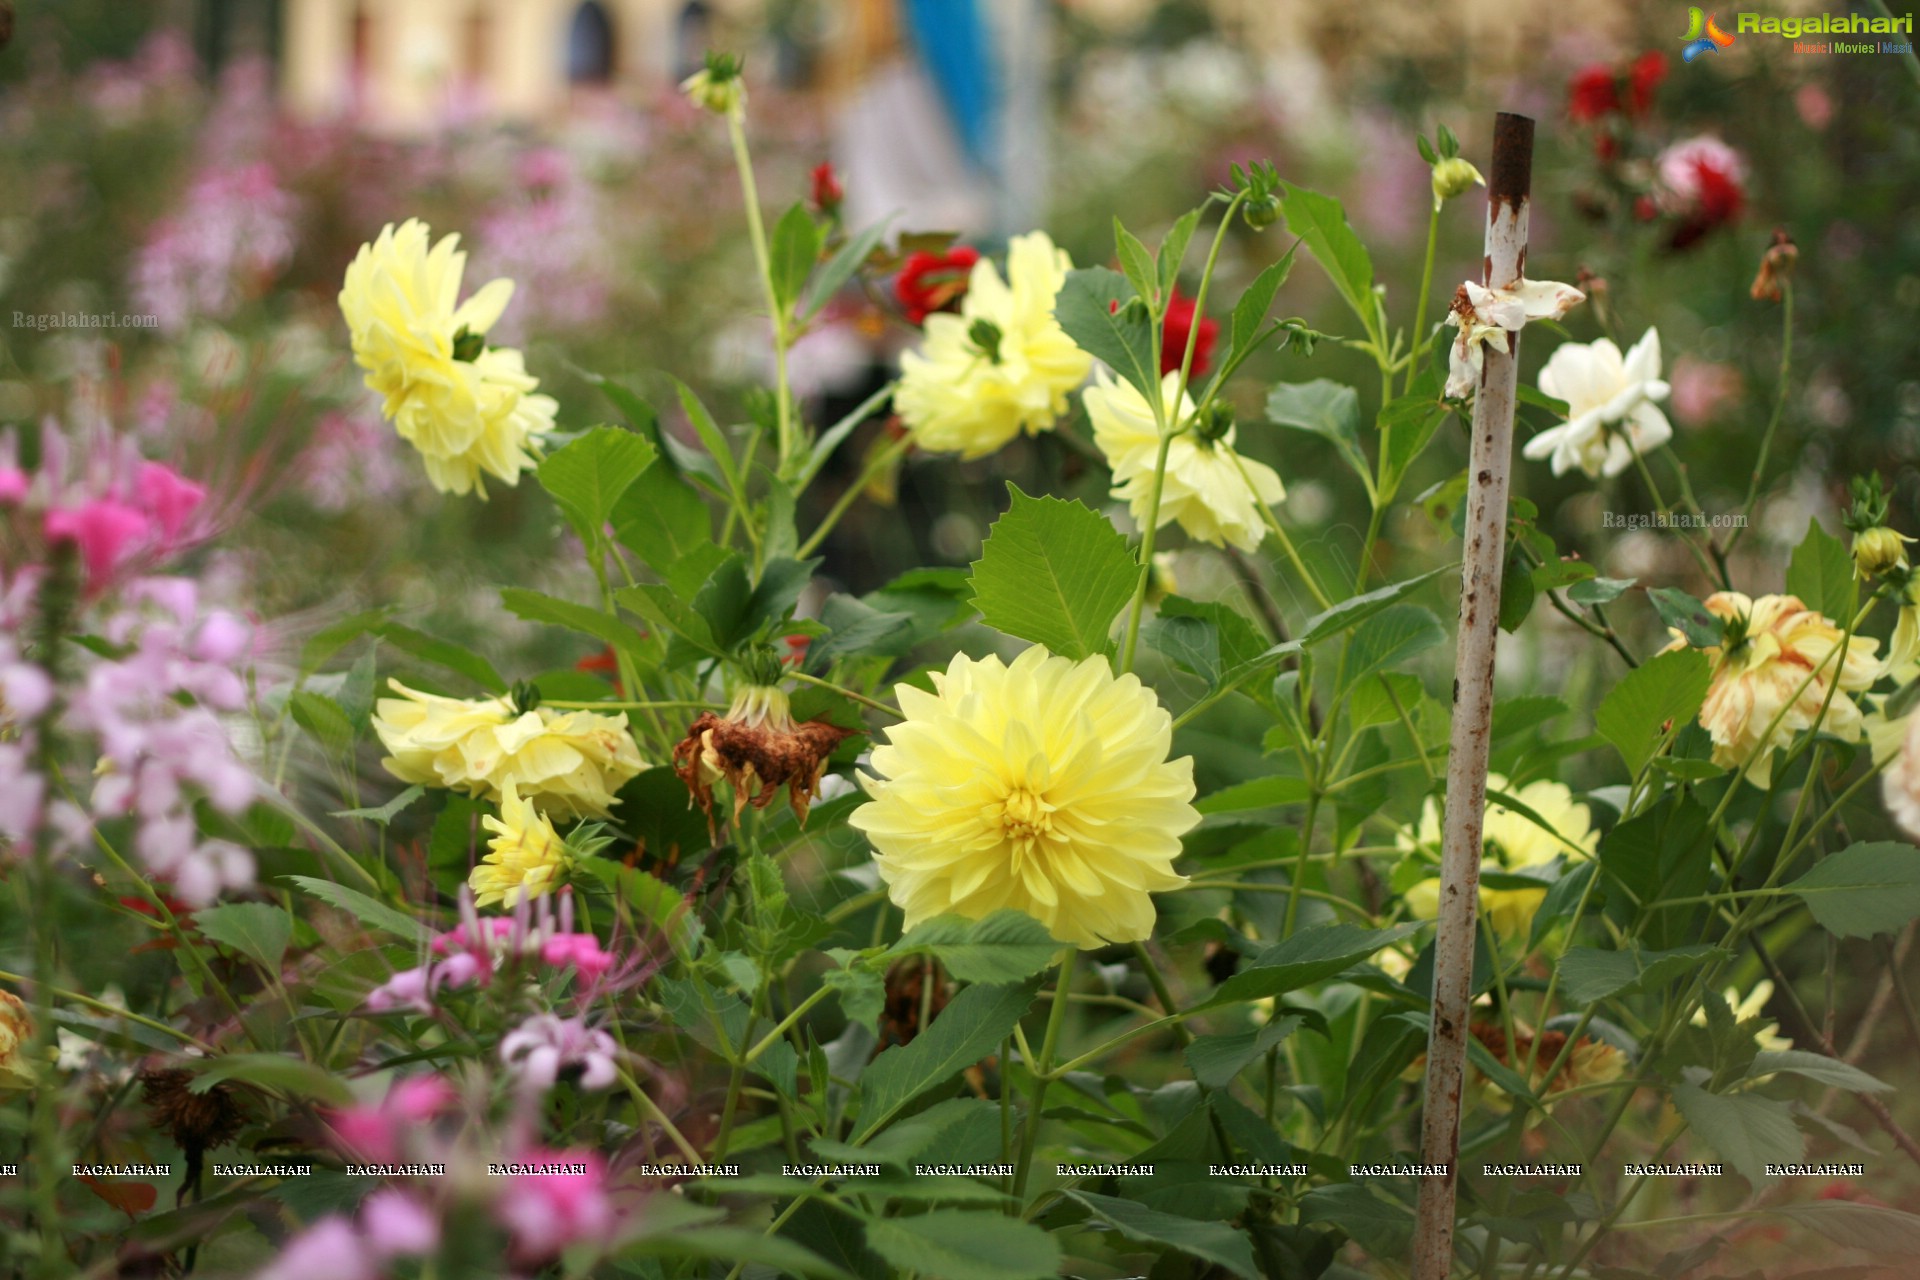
column 756, row 748
column 198, row 1122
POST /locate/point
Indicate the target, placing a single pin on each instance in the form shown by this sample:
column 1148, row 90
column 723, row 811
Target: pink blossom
column 544, row 1046
column 21, row 793
column 169, row 498
column 13, row 486
column 375, row 1131
column 1702, row 388
column 106, row 530
column 547, row 1212
column 397, row 1223
column 330, row 1249
column 581, row 950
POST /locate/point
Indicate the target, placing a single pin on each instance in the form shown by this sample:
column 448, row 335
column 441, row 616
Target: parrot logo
column 1703, row 35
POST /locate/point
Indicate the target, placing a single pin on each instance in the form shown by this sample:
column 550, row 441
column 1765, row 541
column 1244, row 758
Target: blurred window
column 590, row 46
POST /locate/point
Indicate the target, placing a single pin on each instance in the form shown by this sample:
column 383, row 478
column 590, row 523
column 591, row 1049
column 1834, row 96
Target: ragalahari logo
column 1703, row 35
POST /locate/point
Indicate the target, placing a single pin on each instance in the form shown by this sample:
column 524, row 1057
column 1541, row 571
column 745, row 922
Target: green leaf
column 1656, row 697
column 662, row 519
column 1598, row 590
column 1210, row 639
column 1173, row 249
column 256, row 930
column 840, row 268
column 721, row 1244
column 1864, row 889
column 1381, row 1226
column 387, row 812
column 857, row 629
column 1251, row 310
column 1055, row 573
column 1085, row 309
column 794, row 251
column 442, row 653
column 369, row 911
column 1517, row 592
column 1322, row 224
column 1326, row 409
column 1389, row 638
column 1357, row 609
column 1006, row 946
column 282, row 1072
column 536, row 607
column 1815, row 1066
column 1878, row 1230
column 1256, row 793
column 955, row 1245
column 1687, row 615
column 1136, row 260
column 1217, row 1059
column 1213, row 1242
column 1306, row 958
column 967, row 1030
column 736, row 610
column 713, row 439
column 1745, row 1129
column 324, row 718
column 1407, row 427
column 862, row 992
column 1821, row 573
column 588, row 475
column 1589, row 975
column 665, row 608
column 1656, row 856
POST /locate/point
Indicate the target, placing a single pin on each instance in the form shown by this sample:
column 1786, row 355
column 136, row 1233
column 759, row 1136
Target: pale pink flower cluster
column 350, row 460
column 392, row 1224
column 146, row 718
column 232, row 237
column 544, row 1046
column 549, row 237
column 471, row 952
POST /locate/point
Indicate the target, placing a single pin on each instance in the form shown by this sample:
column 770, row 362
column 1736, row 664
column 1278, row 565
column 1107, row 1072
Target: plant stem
column 1417, row 356
column 1042, row 1072
column 763, row 258
column 1779, row 408
column 882, row 458
column 844, row 692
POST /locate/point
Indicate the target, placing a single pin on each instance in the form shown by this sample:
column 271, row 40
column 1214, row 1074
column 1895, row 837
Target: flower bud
column 1261, row 212
column 1879, row 550
column 986, row 335
column 717, row 87
column 1454, row 177
column 1215, row 423
column 827, row 191
column 1776, row 265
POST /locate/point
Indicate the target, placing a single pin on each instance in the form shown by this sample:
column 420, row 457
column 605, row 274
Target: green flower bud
column 1215, row 423
column 1261, row 212
column 1454, row 177
column 717, row 87
column 986, row 335
column 1879, row 550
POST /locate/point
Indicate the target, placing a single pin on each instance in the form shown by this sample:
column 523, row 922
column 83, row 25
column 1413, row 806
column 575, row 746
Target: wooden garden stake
column 1489, row 468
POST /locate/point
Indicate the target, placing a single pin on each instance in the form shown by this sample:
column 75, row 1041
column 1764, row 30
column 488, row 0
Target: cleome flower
column 470, row 409
column 570, row 761
column 1895, row 742
column 1514, row 842
column 525, row 857
column 1611, row 413
column 1000, row 367
column 1772, row 675
column 1485, row 317
column 1043, row 786
column 1204, row 488
column 756, row 748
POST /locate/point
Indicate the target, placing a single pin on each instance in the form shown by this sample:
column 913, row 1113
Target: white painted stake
column 1488, row 469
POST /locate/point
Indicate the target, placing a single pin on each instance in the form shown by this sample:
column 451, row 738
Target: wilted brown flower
column 198, row 1122
column 1591, row 1062
column 910, row 1004
column 1776, row 265
column 757, row 749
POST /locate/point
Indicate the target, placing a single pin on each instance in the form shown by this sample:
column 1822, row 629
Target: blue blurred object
column 957, row 50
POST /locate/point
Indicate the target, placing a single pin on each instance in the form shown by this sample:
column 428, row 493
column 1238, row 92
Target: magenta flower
column 107, row 532
column 330, row 1249
column 548, row 1211
column 169, row 498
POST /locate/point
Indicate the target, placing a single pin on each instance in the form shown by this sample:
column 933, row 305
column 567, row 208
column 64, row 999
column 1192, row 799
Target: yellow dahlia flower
column 526, row 856
column 1765, row 674
column 1002, row 366
column 1043, row 786
column 1204, row 488
column 1752, row 1005
column 570, row 761
column 1514, row 842
column 469, row 409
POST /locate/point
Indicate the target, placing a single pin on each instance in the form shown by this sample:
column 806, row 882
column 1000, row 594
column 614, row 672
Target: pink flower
column 548, row 1211
column 106, row 530
column 544, row 1046
column 1704, row 182
column 1702, row 388
column 374, row 1132
column 581, row 950
column 396, row 1223
column 328, row 1250
column 13, row 486
column 169, row 498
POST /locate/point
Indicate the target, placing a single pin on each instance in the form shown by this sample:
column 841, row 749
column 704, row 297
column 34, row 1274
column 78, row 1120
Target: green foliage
column 1055, row 573
column 795, row 248
column 1123, row 337
column 1821, row 574
column 1866, row 888
column 1321, row 223
column 1213, row 1242
column 254, row 929
column 1005, row 946
column 1745, row 1129
column 1326, row 409
column 367, row 910
column 967, row 1030
column 965, row 1246
column 1644, row 709
column 588, row 475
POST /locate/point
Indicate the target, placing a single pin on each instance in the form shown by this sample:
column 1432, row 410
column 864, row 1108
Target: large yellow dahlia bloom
column 1513, row 842
column 1002, row 366
column 1204, row 488
column 1043, row 786
column 468, row 408
column 1765, row 675
column 526, row 856
column 570, row 761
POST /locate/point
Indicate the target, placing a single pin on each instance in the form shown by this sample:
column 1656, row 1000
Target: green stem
column 861, row 698
column 767, row 1041
column 1418, row 355
column 1139, row 605
column 1042, row 1072
column 1301, row 862
column 763, row 259
column 882, row 458
column 1773, row 419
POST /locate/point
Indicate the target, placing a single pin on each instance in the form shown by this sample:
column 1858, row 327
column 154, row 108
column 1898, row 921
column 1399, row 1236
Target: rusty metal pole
column 1489, row 467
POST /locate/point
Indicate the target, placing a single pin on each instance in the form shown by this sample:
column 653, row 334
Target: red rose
column 1173, row 343
column 933, row 282
column 1648, row 70
column 1592, row 93
column 827, row 191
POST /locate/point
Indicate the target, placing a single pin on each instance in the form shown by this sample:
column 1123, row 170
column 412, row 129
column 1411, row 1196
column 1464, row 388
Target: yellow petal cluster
column 1214, row 493
column 1043, row 785
column 1773, row 685
column 526, row 857
column 571, row 762
column 16, row 1035
column 957, row 396
column 1514, row 842
column 470, row 410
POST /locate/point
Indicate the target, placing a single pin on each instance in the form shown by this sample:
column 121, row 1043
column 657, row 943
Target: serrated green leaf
column 1389, row 638
column 324, row 718
column 1085, row 310
column 1598, row 590
column 967, row 1030
column 1821, row 573
column 1864, row 889
column 1322, row 224
column 862, row 992
column 1745, row 1129
column 1878, row 1230
column 256, row 930
column 537, row 607
column 1173, row 249
column 1053, row 572
column 1357, row 609
column 1589, row 975
column 367, row 910
column 1213, row 1242
column 1687, row 615
column 1135, row 260
column 1407, row 427
column 1006, row 946
column 794, row 250
column 1251, row 310
column 1381, row 1226
column 1215, row 1060
column 587, row 475
column 1815, row 1066
column 1309, row 956
column 1326, row 409
column 1656, row 697
column 956, row 1245
column 387, row 812
column 662, row 519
